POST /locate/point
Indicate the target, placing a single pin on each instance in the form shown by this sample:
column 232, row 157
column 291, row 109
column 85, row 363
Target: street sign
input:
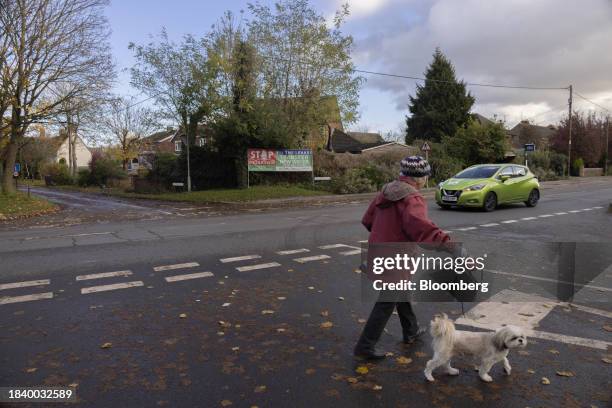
column 425, row 147
column 17, row 168
column 280, row 160
column 529, row 147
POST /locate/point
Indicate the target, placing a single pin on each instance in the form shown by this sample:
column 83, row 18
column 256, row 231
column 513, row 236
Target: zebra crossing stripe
column 25, row 298
column 189, row 276
column 25, row 284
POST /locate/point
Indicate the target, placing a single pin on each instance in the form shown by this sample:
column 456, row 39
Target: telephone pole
column 569, row 143
column 607, row 144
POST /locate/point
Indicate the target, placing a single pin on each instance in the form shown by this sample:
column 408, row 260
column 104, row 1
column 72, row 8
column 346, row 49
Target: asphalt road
column 213, row 311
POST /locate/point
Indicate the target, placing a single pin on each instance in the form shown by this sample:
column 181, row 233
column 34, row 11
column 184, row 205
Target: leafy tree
column 440, row 106
column 300, row 60
column 588, row 138
column 45, row 45
column 182, row 80
column 477, row 143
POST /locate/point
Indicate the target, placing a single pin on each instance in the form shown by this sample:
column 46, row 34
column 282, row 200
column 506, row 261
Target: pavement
column 262, row 308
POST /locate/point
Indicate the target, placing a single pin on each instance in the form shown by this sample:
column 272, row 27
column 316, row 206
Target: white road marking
column 523, row 310
column 352, row 252
column 188, row 276
column 88, row 234
column 508, row 221
column 312, row 258
column 105, row 288
column 25, row 284
column 293, row 251
column 175, row 266
column 586, row 209
column 519, row 275
column 25, row 298
column 575, row 211
column 338, row 246
column 597, row 208
column 239, row 258
column 591, row 310
column 364, row 241
column 466, row 229
column 529, row 218
column 492, row 224
column 103, row 275
column 258, row 266
column 561, row 213
column 546, row 215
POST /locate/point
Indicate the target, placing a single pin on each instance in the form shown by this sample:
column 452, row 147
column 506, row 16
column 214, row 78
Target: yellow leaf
column 325, row 313
column 352, row 380
column 362, row 370
column 260, row 388
column 377, row 387
column 553, row 351
column 565, row 373
column 106, row 345
column 226, row 403
column 265, row 312
column 326, row 325
column 531, row 371
column 403, row 360
column 545, row 381
column 183, row 315
column 31, row 370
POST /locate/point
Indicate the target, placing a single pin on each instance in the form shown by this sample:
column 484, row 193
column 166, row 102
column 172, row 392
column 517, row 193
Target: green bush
column 104, row 170
column 577, row 165
column 57, row 174
column 544, row 174
column 352, row 182
column 83, row 177
column 164, row 170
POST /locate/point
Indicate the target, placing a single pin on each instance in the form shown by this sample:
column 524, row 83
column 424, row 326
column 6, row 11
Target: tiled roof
column 341, row 142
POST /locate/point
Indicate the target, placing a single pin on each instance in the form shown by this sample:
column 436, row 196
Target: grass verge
column 19, row 205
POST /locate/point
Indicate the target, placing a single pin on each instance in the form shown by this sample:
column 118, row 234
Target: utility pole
column 569, row 143
column 607, row 144
column 188, row 164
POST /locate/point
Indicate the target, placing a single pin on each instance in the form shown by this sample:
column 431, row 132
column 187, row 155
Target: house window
column 178, row 146
column 201, row 141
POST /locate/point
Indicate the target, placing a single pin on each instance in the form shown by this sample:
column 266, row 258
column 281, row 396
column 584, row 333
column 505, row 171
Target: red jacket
column 399, row 214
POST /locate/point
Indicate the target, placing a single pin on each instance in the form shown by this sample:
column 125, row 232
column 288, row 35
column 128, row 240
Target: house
column 364, row 143
column 168, row 141
column 60, row 143
column 524, row 132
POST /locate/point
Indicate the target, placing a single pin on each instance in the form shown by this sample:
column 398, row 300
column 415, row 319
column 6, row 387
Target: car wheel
column 534, row 197
column 490, row 202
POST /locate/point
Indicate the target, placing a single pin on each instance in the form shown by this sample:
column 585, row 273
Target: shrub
column 164, row 169
column 57, row 174
column 544, row 174
column 577, row 165
column 104, row 170
column 352, row 182
column 83, row 177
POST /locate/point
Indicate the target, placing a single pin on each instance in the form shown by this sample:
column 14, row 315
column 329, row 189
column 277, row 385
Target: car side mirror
column 504, row 177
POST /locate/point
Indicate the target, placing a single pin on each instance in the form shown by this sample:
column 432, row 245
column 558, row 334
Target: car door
column 504, row 189
column 520, row 186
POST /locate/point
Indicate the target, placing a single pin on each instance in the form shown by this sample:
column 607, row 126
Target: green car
column 488, row 185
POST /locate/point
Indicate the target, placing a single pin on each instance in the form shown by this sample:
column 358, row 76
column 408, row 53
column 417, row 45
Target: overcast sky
column 538, row 43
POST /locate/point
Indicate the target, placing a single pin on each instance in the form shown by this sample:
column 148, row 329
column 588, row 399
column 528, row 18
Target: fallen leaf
column 311, row 287
column 352, row 380
column 235, row 348
column 226, row 304
column 31, row 369
column 183, row 315
column 553, row 351
column 531, row 371
column 340, row 297
column 280, row 330
column 526, row 314
column 73, row 385
column 377, row 387
column 545, row 381
column 326, row 325
column 361, row 320
column 281, row 298
column 325, row 313
column 336, row 376
column 260, row 388
column 420, row 354
column 607, row 328
column 523, row 352
column 106, row 345
column 265, row 312
column 310, row 371
column 226, row 403
column 403, row 360
column 220, row 333
column 357, row 271
column 389, row 354
column 289, row 270
column 170, row 342
column 362, row 370
column 565, row 373
column 224, row 324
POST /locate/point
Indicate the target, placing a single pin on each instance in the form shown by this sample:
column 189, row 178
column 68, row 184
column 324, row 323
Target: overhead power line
column 590, row 101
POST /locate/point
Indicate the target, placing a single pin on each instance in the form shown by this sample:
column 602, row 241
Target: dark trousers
column 378, row 320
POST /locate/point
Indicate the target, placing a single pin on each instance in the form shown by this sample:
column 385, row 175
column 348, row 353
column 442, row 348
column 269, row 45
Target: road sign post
column 425, row 148
column 529, row 147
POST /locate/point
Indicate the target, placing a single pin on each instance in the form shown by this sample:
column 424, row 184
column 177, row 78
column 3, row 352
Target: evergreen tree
column 441, row 105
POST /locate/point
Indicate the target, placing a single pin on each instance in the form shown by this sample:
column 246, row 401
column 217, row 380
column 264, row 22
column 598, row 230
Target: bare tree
column 49, row 44
column 126, row 124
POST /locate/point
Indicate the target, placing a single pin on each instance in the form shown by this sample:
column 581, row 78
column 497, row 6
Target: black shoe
column 369, row 355
column 414, row 337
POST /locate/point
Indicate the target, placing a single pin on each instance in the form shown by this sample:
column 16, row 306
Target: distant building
column 83, row 153
column 169, row 141
column 524, row 132
column 364, row 143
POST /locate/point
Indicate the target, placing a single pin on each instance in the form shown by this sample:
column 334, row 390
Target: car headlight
column 476, row 187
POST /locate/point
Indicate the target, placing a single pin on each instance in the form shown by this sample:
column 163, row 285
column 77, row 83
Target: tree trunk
column 8, row 184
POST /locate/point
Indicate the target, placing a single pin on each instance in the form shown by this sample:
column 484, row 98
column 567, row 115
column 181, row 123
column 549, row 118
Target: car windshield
column 478, row 172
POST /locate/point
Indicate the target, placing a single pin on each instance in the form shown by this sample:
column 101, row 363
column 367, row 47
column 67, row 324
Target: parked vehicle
column 489, row 185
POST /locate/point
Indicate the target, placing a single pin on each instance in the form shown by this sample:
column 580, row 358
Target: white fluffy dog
column 489, row 347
